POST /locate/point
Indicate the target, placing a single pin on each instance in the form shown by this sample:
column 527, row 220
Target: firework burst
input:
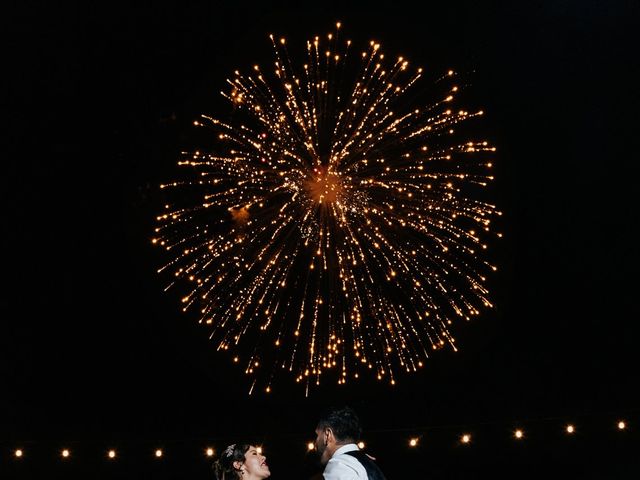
column 331, row 230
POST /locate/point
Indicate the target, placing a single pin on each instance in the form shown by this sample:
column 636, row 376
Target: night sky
column 94, row 354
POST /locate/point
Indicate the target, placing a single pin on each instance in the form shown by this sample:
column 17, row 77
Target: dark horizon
column 96, row 355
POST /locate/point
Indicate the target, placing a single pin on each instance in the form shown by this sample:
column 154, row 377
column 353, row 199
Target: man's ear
column 328, row 435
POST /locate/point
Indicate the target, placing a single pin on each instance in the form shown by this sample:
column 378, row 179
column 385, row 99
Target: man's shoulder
column 373, row 472
column 347, row 464
column 344, row 459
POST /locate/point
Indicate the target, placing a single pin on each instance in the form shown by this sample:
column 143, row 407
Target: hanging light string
column 465, row 437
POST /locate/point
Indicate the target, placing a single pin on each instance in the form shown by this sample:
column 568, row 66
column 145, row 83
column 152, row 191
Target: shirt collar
column 349, row 447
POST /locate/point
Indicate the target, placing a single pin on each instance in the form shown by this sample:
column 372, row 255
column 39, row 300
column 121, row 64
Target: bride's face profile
column 254, row 465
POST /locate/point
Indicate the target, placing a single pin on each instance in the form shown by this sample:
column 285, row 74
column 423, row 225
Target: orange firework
column 336, row 226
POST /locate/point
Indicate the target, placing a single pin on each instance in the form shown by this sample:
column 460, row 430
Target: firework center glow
column 324, row 185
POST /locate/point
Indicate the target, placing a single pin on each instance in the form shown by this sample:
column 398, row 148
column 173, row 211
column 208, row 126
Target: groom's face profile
column 323, row 437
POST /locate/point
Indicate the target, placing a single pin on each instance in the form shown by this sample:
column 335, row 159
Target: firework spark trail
column 332, row 231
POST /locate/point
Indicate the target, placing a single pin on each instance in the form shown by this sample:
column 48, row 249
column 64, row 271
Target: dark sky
column 100, row 101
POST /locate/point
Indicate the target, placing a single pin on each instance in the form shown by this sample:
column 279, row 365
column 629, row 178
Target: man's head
column 336, row 427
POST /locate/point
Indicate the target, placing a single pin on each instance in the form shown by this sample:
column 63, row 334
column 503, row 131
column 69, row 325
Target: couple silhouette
column 337, row 434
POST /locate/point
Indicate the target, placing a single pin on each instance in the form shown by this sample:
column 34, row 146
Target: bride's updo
column 224, row 468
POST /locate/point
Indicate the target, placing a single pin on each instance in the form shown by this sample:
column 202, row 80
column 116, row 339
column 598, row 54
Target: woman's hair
column 224, row 468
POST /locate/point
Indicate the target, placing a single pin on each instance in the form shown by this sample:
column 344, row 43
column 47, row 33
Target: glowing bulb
column 621, row 425
column 413, row 442
column 18, row 453
column 310, row 446
column 570, row 428
column 158, row 453
column 209, row 452
column 519, row 434
column 111, row 454
column 361, row 445
column 65, row 453
column 466, row 438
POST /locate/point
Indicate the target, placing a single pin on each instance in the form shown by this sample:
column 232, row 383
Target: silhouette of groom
column 337, row 432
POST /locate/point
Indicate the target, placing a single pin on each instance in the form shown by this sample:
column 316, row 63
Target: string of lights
column 467, row 438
